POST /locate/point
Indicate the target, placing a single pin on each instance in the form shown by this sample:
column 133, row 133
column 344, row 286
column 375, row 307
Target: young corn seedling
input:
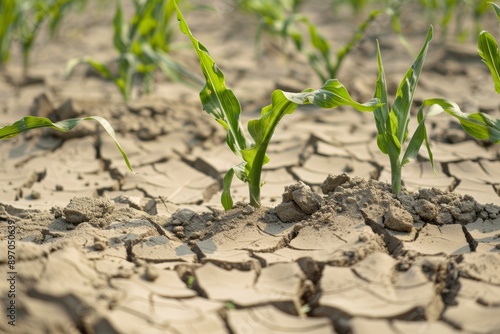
column 278, row 18
column 32, row 14
column 392, row 122
column 220, row 102
column 282, row 18
column 32, row 122
column 142, row 45
column 22, row 20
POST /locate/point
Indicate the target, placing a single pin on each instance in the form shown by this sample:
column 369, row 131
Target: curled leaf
column 33, row 122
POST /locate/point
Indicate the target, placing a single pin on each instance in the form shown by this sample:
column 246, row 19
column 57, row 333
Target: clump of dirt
column 299, row 202
column 87, row 209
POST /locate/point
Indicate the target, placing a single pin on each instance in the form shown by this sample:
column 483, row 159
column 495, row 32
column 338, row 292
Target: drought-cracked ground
column 102, row 250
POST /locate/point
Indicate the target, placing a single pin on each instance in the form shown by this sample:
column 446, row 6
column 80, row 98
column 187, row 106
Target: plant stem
column 396, row 170
column 254, row 190
column 254, row 183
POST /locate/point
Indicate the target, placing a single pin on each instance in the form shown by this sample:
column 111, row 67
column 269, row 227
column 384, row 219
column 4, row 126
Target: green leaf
column 120, row 37
column 317, row 40
column 102, row 69
column 479, row 125
column 406, row 90
column 226, row 199
column 381, row 114
column 262, row 130
column 331, row 95
column 218, row 100
column 489, row 53
column 416, row 142
column 496, row 8
column 32, row 122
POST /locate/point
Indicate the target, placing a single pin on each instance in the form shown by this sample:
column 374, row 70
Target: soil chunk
column 426, row 210
column 332, row 181
column 87, row 209
column 398, row 219
column 299, row 201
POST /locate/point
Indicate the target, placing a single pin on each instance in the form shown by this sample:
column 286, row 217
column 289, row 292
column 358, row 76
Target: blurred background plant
column 143, row 44
column 442, row 14
column 452, row 13
column 283, row 20
column 22, row 20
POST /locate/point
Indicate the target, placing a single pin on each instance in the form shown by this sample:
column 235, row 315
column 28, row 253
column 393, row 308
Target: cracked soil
column 102, row 250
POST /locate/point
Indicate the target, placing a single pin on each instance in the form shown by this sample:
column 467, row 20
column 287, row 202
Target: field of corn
column 249, row 166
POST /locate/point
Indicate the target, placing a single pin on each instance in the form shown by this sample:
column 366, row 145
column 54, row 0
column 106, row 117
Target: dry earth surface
column 102, row 250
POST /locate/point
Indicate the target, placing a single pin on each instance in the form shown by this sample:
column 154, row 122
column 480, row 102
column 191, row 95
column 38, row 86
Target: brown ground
column 100, row 250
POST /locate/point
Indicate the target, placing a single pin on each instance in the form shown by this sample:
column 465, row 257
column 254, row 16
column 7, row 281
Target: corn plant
column 276, row 17
column 445, row 12
column 281, row 18
column 220, row 102
column 142, row 45
column 32, row 122
column 392, row 122
column 32, row 15
column 325, row 64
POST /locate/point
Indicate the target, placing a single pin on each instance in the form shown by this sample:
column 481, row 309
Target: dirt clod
column 87, row 209
column 332, row 181
column 426, row 210
column 398, row 219
column 299, row 201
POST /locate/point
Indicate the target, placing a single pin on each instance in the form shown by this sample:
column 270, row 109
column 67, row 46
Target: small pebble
column 195, row 235
column 151, row 273
column 99, row 246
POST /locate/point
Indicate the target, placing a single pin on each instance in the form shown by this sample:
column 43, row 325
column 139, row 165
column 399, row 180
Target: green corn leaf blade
column 416, row 141
column 262, row 130
column 102, row 69
column 217, row 99
column 318, row 41
column 297, row 39
column 226, row 199
column 489, row 53
column 120, row 37
column 317, row 65
column 390, row 136
column 381, row 114
column 172, row 69
column 436, row 106
column 331, row 95
column 126, row 67
column 479, row 125
column 406, row 90
column 33, row 122
column 496, row 8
